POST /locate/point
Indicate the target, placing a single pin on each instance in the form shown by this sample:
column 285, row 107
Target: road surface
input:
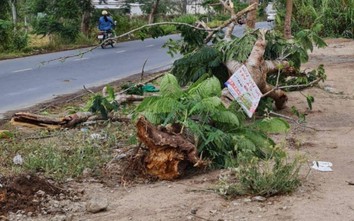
column 25, row 81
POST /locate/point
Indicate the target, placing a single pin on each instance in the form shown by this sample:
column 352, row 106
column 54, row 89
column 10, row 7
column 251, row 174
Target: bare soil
column 21, row 193
column 326, row 136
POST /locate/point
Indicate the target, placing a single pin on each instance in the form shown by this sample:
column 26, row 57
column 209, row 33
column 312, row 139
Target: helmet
column 104, row 12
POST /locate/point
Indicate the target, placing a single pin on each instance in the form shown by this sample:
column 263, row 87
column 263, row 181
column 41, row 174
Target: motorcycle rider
column 106, row 23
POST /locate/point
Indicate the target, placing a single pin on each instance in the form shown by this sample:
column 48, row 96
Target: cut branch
column 233, row 18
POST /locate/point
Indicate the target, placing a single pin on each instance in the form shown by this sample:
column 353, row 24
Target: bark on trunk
column 259, row 68
column 85, row 23
column 287, row 23
column 168, row 154
column 70, row 121
column 184, row 6
column 153, row 11
column 13, row 11
column 252, row 16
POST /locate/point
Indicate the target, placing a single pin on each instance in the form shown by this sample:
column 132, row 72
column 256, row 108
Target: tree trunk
column 85, row 22
column 153, row 11
column 13, row 11
column 287, row 23
column 252, row 16
column 259, row 68
column 184, row 6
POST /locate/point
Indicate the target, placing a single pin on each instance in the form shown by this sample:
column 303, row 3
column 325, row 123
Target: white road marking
column 148, row 46
column 22, row 70
column 81, row 59
column 118, row 52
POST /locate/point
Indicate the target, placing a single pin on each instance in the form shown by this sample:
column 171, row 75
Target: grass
column 43, row 44
column 63, row 153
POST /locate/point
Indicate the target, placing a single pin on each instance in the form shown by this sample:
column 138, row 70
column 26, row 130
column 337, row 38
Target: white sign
column 244, row 90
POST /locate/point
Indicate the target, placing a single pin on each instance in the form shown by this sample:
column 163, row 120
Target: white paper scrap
column 322, row 166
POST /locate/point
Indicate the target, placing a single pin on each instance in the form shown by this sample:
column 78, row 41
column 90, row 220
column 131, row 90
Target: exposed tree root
column 168, row 154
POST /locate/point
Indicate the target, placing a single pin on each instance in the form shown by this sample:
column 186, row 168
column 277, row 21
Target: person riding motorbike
column 106, row 26
column 106, row 23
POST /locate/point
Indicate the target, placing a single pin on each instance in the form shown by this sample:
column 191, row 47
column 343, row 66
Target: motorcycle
column 106, row 38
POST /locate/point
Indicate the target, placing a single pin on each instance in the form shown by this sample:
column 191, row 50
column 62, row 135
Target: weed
column 275, row 175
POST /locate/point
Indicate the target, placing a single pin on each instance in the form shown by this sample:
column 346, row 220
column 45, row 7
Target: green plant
column 335, row 16
column 218, row 132
column 275, row 175
column 103, row 104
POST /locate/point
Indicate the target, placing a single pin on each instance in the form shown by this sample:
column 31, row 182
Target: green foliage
column 301, row 116
column 192, row 39
column 192, row 66
column 153, row 31
column 50, row 25
column 61, row 18
column 131, row 88
column 5, row 34
column 262, row 177
column 299, row 81
column 101, row 104
column 218, row 131
column 10, row 39
column 335, row 16
column 310, row 99
column 272, row 125
column 239, row 48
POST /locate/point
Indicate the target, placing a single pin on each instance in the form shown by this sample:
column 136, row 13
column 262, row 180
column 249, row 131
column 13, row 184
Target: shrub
column 5, row 34
column 11, row 39
column 275, row 175
column 19, row 40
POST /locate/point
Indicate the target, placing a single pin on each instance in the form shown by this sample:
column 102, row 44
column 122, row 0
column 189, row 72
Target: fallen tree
column 203, row 125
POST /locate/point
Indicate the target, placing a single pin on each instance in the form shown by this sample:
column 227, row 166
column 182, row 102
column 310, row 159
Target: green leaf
column 226, row 117
column 310, row 99
column 207, row 88
column 164, row 105
column 208, row 104
column 146, row 103
column 272, row 125
column 169, row 86
column 110, row 92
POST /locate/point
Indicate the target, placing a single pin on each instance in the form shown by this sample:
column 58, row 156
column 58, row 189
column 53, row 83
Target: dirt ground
column 327, row 136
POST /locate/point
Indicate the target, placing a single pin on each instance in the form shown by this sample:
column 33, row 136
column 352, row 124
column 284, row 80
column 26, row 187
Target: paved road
column 25, row 81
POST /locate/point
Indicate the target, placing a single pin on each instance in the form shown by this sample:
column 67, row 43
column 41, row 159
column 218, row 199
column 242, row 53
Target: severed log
column 23, row 118
column 70, row 121
column 28, row 119
column 168, row 154
column 259, row 69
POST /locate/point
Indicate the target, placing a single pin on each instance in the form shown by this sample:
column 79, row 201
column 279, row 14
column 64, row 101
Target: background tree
column 336, row 16
column 288, row 15
column 86, row 9
column 252, row 16
column 183, row 6
column 153, row 11
column 64, row 18
column 13, row 11
column 4, row 10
